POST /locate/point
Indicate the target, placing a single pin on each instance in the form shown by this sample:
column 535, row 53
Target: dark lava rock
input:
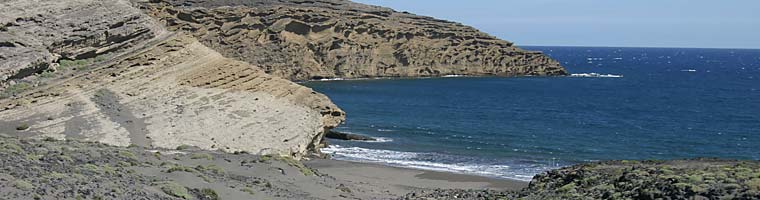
column 347, row 136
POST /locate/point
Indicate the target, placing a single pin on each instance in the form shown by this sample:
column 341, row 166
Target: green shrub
column 33, row 157
column 13, row 147
column 23, row 185
column 180, row 168
column 65, row 64
column 108, row 169
column 176, row 190
column 209, row 193
column 91, row 168
column 248, row 190
column 196, row 156
column 754, row 184
column 570, row 187
column 15, row 89
column 695, row 178
column 265, row 158
column 128, row 155
column 295, row 163
column 47, row 74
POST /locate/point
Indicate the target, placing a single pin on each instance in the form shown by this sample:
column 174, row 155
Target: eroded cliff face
column 157, row 89
column 315, row 39
column 35, row 34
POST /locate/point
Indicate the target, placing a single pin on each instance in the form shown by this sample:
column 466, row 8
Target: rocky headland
column 318, row 39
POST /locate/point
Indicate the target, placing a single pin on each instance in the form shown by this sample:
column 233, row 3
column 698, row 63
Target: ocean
column 619, row 104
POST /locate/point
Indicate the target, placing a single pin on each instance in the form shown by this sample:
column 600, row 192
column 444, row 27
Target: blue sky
column 619, row 23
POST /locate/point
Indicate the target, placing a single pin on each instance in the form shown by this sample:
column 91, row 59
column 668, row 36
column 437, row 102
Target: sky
column 615, row 23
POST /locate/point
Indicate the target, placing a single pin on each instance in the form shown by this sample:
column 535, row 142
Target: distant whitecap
column 596, row 75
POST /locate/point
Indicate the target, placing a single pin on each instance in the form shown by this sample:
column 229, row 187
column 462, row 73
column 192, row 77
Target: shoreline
column 422, row 77
column 398, row 180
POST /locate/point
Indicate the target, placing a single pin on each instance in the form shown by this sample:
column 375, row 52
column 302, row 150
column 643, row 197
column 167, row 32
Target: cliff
column 36, row 34
column 316, row 39
column 119, row 78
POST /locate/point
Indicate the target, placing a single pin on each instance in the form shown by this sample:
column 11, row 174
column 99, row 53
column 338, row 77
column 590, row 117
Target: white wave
column 453, row 76
column 385, row 130
column 596, row 75
column 380, row 140
column 331, row 79
column 417, row 161
column 689, row 70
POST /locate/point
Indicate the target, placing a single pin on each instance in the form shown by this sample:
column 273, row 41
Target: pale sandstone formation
column 316, row 39
column 156, row 89
column 179, row 93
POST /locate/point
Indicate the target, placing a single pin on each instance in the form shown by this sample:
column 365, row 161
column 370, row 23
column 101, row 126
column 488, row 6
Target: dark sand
column 399, row 181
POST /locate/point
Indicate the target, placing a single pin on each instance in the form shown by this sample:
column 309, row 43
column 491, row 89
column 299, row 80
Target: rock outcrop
column 35, row 34
column 347, row 136
column 674, row 179
column 316, row 39
column 161, row 89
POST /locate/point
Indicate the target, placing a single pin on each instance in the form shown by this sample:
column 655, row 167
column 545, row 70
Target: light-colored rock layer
column 139, row 84
column 178, row 92
column 315, row 39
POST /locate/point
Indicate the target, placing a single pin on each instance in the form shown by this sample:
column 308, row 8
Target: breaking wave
column 517, row 170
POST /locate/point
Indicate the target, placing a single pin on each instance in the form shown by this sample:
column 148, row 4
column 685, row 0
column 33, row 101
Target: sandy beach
column 399, row 181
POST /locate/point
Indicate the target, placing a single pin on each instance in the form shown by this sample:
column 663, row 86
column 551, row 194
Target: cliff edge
column 318, row 39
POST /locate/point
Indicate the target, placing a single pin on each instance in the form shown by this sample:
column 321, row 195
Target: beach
column 400, row 181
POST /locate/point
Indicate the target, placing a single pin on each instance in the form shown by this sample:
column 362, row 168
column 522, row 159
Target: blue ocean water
column 621, row 103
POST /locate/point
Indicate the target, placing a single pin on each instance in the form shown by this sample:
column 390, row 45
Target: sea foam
column 435, row 162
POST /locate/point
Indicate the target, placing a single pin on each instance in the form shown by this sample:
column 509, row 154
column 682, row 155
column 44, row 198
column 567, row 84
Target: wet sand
column 396, row 180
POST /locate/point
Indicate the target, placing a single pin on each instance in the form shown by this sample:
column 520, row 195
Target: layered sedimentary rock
column 178, row 93
column 35, row 34
column 316, row 39
column 158, row 89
